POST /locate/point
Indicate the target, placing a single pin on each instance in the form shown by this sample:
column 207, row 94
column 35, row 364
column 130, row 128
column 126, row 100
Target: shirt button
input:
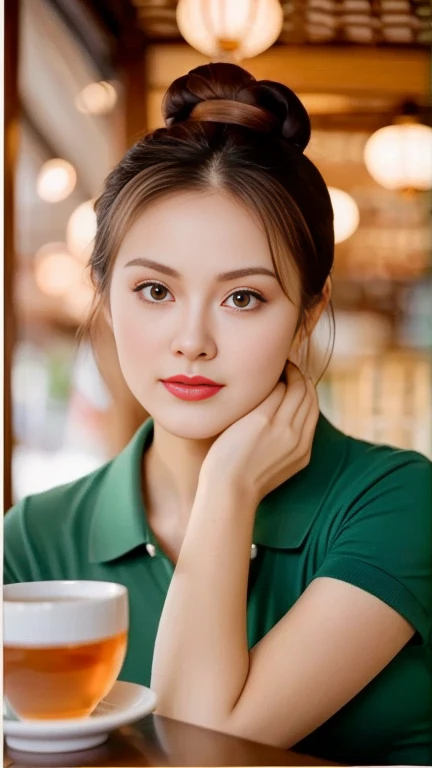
column 253, row 552
column 151, row 549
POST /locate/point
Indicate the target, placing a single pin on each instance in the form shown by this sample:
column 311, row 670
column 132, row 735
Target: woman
column 279, row 571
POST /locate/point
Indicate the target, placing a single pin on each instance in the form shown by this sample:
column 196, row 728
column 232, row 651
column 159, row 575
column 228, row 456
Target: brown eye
column 246, row 300
column 241, row 299
column 153, row 293
column 158, row 292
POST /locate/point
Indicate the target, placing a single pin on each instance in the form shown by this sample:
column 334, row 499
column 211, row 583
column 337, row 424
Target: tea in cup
column 64, row 646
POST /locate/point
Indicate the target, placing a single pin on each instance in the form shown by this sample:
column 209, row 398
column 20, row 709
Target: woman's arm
column 201, row 659
column 333, row 641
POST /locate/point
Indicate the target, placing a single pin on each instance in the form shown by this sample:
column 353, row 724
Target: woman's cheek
column 264, row 351
column 135, row 353
column 134, row 334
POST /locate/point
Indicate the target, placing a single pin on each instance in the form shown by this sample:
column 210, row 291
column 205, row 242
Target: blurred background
column 84, row 79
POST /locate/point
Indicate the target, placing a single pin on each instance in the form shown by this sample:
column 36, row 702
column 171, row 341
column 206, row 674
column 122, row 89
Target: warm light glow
column 346, row 214
column 56, row 271
column 96, row 98
column 81, row 230
column 56, row 180
column 78, row 302
column 237, row 29
column 400, row 156
column 360, row 333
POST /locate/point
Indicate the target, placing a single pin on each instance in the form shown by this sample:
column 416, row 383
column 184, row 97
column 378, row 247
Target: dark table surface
column 160, row 741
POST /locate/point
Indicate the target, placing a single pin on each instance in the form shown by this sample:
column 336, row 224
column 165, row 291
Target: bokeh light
column 56, row 270
column 242, row 28
column 400, row 156
column 56, row 180
column 346, row 214
column 81, row 230
column 96, row 98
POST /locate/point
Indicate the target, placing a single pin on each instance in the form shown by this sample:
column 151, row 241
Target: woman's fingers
column 269, row 407
column 306, row 418
column 300, row 408
column 289, row 404
column 296, row 392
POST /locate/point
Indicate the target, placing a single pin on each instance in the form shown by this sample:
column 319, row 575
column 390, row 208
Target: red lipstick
column 195, row 380
column 191, row 387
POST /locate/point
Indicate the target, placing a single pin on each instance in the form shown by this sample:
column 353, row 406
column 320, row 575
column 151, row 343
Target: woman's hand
column 270, row 444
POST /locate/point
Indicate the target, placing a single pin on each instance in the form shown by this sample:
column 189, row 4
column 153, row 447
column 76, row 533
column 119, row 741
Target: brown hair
column 225, row 130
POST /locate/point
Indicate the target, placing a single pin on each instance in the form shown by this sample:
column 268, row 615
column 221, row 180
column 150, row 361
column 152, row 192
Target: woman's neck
column 170, row 474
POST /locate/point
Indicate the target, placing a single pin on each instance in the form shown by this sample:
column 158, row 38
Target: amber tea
column 64, row 646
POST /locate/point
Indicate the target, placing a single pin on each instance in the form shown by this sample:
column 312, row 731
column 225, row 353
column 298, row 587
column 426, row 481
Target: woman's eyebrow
column 225, row 276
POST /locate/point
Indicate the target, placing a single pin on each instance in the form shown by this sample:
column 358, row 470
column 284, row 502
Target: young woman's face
column 174, row 311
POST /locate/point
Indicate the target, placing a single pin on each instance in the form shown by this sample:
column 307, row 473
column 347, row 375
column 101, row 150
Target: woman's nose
column 193, row 337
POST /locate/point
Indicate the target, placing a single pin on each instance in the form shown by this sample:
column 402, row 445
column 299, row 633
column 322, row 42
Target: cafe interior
column 84, row 80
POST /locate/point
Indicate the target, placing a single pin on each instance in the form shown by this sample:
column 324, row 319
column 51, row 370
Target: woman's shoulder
column 45, row 532
column 382, row 502
column 347, row 468
column 373, row 486
column 366, row 462
column 60, row 503
column 58, row 500
column 378, row 527
column 45, row 525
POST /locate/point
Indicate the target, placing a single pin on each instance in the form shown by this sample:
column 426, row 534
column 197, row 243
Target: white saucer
column 126, row 703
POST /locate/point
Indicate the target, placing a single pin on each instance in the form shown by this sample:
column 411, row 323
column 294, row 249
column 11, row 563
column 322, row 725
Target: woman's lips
column 191, row 391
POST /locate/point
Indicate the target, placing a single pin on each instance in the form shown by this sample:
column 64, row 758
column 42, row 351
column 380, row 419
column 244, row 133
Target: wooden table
column 160, row 741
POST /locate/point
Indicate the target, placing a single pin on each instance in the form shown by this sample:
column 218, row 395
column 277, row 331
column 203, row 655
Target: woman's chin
column 192, row 426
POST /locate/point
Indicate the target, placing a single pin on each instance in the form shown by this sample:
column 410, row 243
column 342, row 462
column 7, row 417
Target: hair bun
column 287, row 107
column 229, row 82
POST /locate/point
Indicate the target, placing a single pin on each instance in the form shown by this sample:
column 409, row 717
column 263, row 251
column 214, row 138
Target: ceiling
column 55, row 65
column 364, row 22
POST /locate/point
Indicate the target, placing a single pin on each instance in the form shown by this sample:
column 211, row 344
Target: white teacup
column 64, row 645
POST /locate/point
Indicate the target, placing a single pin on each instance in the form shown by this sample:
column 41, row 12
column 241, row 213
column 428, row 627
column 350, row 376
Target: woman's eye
column 153, row 292
column 157, row 293
column 245, row 299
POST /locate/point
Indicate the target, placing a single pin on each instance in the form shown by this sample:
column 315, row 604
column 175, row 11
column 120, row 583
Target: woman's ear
column 298, row 352
column 327, row 291
column 315, row 313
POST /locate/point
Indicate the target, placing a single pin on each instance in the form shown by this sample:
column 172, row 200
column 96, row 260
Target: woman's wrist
column 227, row 491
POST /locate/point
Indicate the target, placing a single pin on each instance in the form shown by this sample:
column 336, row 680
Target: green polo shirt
column 359, row 512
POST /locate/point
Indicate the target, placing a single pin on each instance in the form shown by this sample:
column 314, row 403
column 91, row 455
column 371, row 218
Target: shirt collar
column 283, row 518
column 119, row 522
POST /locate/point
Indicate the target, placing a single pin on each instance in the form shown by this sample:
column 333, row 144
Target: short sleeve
column 17, row 554
column 383, row 543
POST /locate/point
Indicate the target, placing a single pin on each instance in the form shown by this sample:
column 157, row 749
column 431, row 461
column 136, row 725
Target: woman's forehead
column 196, row 224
